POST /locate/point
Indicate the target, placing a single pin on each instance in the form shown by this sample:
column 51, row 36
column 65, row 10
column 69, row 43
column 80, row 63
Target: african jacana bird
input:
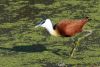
column 66, row 28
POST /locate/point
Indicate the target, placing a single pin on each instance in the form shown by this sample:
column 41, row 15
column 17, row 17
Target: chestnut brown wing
column 70, row 27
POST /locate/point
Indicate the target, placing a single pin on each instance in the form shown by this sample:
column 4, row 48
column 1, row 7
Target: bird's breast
column 55, row 33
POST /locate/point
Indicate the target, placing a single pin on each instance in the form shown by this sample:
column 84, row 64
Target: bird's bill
column 38, row 25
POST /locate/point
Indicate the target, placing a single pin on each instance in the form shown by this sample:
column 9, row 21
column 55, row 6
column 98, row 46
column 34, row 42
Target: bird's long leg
column 73, row 50
column 90, row 32
column 77, row 43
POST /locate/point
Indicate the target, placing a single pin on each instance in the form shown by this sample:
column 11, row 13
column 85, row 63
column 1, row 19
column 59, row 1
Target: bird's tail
column 86, row 19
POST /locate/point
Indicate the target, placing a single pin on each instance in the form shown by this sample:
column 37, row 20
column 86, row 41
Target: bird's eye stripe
column 43, row 22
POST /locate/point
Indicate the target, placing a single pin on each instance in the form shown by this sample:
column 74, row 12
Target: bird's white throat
column 48, row 25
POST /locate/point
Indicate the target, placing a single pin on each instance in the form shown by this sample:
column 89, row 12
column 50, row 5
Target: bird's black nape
column 44, row 17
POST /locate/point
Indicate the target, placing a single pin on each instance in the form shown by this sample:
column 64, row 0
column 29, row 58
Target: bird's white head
column 48, row 25
column 45, row 23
